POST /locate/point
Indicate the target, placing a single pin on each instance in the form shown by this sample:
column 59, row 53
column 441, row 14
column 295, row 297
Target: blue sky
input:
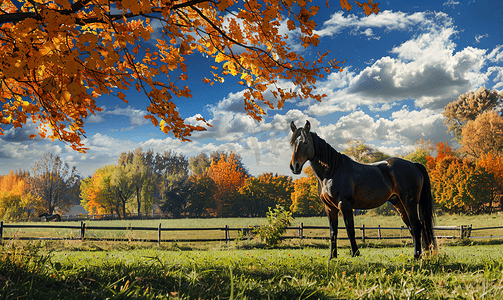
column 402, row 67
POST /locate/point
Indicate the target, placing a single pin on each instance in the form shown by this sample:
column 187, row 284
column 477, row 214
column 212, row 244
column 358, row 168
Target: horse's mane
column 329, row 158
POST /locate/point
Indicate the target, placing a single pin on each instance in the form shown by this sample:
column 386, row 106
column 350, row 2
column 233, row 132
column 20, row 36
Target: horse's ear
column 307, row 127
column 293, row 127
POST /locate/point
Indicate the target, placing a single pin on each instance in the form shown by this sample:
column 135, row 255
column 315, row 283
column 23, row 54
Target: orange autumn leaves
column 462, row 185
column 96, row 192
column 16, row 201
column 57, row 57
column 225, row 190
column 228, row 177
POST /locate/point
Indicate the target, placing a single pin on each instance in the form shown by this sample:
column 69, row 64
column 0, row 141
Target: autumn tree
column 226, row 156
column 265, row 191
column 174, row 198
column 459, row 185
column 483, row 135
column 171, row 163
column 462, row 187
column 172, row 184
column 15, row 201
column 423, row 149
column 58, row 56
column 198, row 191
column 493, row 165
column 98, row 195
column 153, row 176
column 123, row 183
column 54, row 182
column 469, row 106
column 363, row 153
column 146, row 177
column 305, row 199
column 88, row 196
column 228, row 178
column 199, row 164
column 139, row 173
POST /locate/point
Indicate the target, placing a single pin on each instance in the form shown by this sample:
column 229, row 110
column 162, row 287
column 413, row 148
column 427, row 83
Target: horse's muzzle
column 297, row 169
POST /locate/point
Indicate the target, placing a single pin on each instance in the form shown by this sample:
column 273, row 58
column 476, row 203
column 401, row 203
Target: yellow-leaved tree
column 305, row 199
column 16, row 203
column 58, row 56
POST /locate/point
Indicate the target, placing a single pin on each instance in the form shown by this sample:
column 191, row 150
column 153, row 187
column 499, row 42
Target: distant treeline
column 467, row 180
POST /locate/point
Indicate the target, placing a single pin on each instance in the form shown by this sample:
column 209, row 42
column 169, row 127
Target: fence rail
column 463, row 231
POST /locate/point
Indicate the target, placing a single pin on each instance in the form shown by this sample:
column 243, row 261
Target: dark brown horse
column 344, row 184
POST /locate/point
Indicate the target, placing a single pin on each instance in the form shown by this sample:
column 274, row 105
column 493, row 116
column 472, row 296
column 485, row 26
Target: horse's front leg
column 347, row 212
column 333, row 221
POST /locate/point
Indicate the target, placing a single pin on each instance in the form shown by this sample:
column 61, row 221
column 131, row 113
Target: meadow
column 468, row 272
column 462, row 269
column 368, row 220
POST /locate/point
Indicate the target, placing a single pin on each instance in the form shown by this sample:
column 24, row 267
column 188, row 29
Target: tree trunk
column 138, row 198
column 123, row 204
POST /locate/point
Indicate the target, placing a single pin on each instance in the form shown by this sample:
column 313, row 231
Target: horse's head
column 303, row 147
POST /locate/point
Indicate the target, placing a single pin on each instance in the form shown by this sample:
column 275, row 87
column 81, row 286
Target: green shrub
column 278, row 220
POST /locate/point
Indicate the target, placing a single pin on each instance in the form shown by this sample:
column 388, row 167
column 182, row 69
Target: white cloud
column 404, row 129
column 451, row 3
column 136, row 116
column 97, row 118
column 478, row 37
column 384, row 107
column 274, row 155
column 368, row 32
column 387, row 20
column 498, row 79
column 231, row 122
column 20, row 134
column 496, row 54
column 18, row 150
column 22, row 155
column 426, row 69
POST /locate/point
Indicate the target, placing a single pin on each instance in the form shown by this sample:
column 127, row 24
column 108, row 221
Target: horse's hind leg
column 411, row 219
column 347, row 212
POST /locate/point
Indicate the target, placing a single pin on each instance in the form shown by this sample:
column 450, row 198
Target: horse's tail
column 426, row 211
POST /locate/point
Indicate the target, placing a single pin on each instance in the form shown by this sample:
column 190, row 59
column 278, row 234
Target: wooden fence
column 462, row 231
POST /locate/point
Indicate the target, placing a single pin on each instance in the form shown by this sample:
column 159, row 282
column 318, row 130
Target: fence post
column 1, row 232
column 82, row 230
column 379, row 231
column 227, row 235
column 159, row 234
column 301, row 230
column 465, row 231
column 363, row 233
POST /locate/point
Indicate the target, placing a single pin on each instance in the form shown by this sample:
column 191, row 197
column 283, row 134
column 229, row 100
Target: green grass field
column 246, row 269
column 469, row 272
